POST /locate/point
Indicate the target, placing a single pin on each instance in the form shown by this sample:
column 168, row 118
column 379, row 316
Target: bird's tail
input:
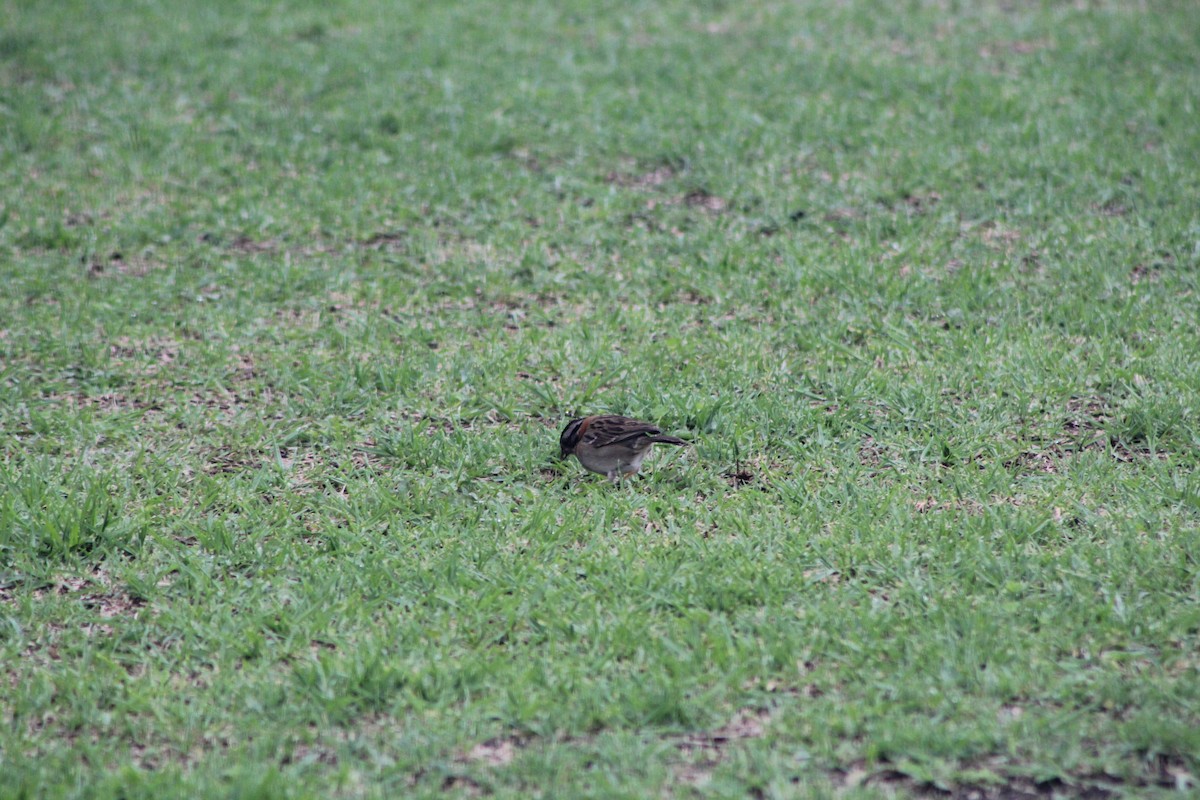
column 662, row 438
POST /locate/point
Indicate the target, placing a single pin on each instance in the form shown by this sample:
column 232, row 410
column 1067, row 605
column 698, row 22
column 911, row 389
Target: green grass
column 297, row 296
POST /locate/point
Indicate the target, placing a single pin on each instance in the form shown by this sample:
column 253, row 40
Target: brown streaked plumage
column 611, row 445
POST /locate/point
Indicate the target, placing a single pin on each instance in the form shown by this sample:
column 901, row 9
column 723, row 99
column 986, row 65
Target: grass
column 297, row 297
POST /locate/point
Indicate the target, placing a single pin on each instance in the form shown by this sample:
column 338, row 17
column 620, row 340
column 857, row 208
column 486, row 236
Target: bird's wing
column 615, row 430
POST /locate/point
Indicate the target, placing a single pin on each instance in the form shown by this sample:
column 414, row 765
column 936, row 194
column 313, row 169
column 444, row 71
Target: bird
column 611, row 445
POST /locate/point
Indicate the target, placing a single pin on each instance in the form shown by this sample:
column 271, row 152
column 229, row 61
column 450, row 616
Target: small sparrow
column 611, row 445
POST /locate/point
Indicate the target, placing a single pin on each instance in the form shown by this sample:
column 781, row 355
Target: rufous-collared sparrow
column 611, row 445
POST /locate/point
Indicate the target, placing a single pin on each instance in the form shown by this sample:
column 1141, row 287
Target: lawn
column 295, row 298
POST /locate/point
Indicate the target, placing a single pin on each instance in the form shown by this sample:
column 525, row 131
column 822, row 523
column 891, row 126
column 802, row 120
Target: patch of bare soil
column 1020, row 47
column 227, row 460
column 699, row 198
column 311, row 754
column 966, row 505
column 920, row 203
column 1144, row 272
column 498, row 751
column 220, row 400
column 243, row 374
column 1166, row 772
column 655, row 178
column 97, row 593
column 705, row 750
column 999, row 236
column 1111, row 208
column 154, row 354
column 702, row 750
column 396, row 240
column 527, row 160
column 739, row 477
column 1151, row 272
column 364, row 457
column 243, row 367
column 245, row 244
column 870, row 454
column 646, row 179
column 116, row 263
column 463, row 784
column 1084, row 428
column 1031, row 461
column 109, row 401
column 842, row 214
